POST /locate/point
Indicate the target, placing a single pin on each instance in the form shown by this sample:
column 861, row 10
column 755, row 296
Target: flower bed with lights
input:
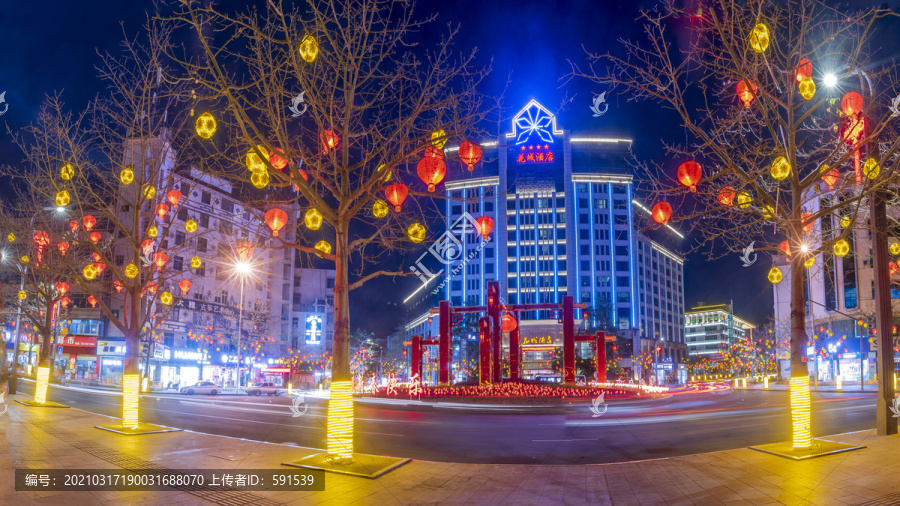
column 510, row 391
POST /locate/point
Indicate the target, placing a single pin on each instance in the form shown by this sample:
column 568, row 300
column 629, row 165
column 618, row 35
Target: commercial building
column 711, row 330
column 565, row 223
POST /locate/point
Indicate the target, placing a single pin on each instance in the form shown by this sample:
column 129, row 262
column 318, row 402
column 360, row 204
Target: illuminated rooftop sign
column 534, row 123
column 535, row 154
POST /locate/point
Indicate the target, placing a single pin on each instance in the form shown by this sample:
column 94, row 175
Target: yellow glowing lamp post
column 800, row 411
column 205, row 125
column 308, row 49
column 126, row 176
column 339, row 433
column 130, row 386
column 40, row 388
column 759, row 38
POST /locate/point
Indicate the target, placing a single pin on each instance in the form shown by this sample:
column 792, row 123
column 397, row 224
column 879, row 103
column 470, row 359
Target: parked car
column 203, row 387
column 264, row 388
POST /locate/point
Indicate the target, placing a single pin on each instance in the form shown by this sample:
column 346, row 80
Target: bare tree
column 786, row 154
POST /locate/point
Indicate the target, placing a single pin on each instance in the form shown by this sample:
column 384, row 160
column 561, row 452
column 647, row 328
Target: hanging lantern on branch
column 895, row 248
column 781, row 168
column 196, row 262
column 63, row 198
column 508, row 323
column 308, row 49
column 41, row 240
column 871, row 169
column 726, row 196
column 439, row 138
column 744, row 200
column 254, row 160
column 785, row 247
column 90, row 272
column 205, row 125
column 276, row 219
column 807, row 88
column 807, row 222
column 73, row 225
column 162, row 210
column 118, row 286
column 775, row 275
column 853, row 126
column 485, row 225
column 329, row 140
column 131, row 271
column 416, row 232
column 804, row 70
column 63, row 248
column 62, row 287
column 96, row 256
column 92, row 300
column 100, row 266
column 160, row 258
column 166, row 298
column 149, row 192
column 152, row 287
column 470, row 154
column 759, row 38
column 313, row 219
column 431, row 171
column 809, row 262
column 830, row 176
column 95, row 237
column 67, row 172
column 746, row 92
column 892, row 268
column 379, row 208
column 662, row 212
column 185, row 285
column 841, row 248
column 244, row 250
column 89, row 222
column 396, row 194
column 323, row 246
column 126, row 176
column 277, row 159
column 65, row 301
column 190, row 226
column 689, row 174
column 174, row 197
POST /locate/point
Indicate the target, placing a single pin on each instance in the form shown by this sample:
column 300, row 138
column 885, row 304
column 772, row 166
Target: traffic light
column 584, row 315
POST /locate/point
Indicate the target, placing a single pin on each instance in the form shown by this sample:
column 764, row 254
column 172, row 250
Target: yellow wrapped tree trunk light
column 800, row 411
column 40, row 388
column 130, row 385
column 340, row 420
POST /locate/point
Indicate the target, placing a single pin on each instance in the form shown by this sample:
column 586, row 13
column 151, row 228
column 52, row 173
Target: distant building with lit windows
column 710, row 330
column 564, row 214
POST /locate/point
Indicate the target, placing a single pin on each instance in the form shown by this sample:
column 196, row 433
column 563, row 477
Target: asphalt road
column 635, row 430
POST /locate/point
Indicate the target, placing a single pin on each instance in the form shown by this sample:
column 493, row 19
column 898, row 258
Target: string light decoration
column 726, row 196
column 276, row 219
column 800, row 411
column 759, row 38
column 781, row 168
column 339, row 432
column 775, row 275
column 379, row 208
column 63, row 198
column 662, row 212
column 40, row 388
column 323, row 246
column 396, row 194
column 431, row 171
column 190, row 226
column 313, row 219
column 126, row 176
column 67, row 172
column 746, row 92
column 416, row 232
column 689, row 174
column 470, row 154
column 841, row 248
column 308, row 49
column 205, row 125
column 130, row 388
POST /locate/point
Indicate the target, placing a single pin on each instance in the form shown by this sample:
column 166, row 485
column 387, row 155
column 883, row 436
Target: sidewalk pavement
column 822, row 387
column 66, row 439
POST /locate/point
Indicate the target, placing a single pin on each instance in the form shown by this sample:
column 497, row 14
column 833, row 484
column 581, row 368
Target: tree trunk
column 130, row 371
column 339, row 434
column 799, row 382
column 43, row 382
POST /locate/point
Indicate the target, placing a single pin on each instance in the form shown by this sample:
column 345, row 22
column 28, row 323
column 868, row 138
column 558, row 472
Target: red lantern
column 329, row 140
column 892, row 267
column 162, row 210
column 485, row 225
column 89, row 222
column 100, row 266
column 174, row 197
column 746, row 92
column 92, row 300
column 152, row 287
column 726, row 196
column 62, row 287
column 244, row 250
column 73, row 224
column 433, row 152
column 470, row 154
column 65, row 301
column 396, row 194
column 853, row 129
column 185, row 285
column 807, row 227
column 41, row 241
column 96, row 256
column 852, row 103
column 147, row 246
column 277, row 159
column 118, row 285
column 662, row 212
column 63, row 248
column 276, row 219
column 160, row 259
column 785, row 247
column 508, row 323
column 831, row 177
column 689, row 174
column 431, row 171
column 804, row 70
column 95, row 237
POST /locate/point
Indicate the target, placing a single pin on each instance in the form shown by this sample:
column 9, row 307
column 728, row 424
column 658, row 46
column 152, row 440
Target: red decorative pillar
column 569, row 340
column 416, row 357
column 444, row 343
column 493, row 311
column 484, row 349
column 601, row 356
column 515, row 350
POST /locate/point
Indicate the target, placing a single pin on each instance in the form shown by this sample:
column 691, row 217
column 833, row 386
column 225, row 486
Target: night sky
column 50, row 46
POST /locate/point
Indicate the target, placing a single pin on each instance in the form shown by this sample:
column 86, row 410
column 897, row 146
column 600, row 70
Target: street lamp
column 242, row 268
column 829, row 80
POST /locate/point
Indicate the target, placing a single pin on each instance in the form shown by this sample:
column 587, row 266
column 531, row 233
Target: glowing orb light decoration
column 775, row 275
column 781, row 168
column 662, row 212
column 416, row 232
column 130, row 387
column 852, row 103
column 759, row 38
column 396, row 194
column 470, row 154
column 379, row 209
column 166, row 298
column 260, row 179
column 149, row 192
column 63, row 248
column 892, row 268
column 196, row 263
column 126, row 176
column 871, row 169
column 11, row 237
column 131, row 271
column 205, row 125
column 846, row 222
column 62, row 287
column 841, row 248
column 807, row 88
column 255, row 162
column 40, row 389
column 800, row 411
column 67, row 172
column 313, row 219
column 323, row 246
column 895, row 248
column 174, row 197
column 90, row 272
column 768, row 212
column 809, row 262
column 508, row 323
column 25, row 259
column 162, row 210
column 22, row 295
column 63, row 198
column 439, row 138
column 89, row 222
column 152, row 231
column 160, row 259
column 276, row 219
column 308, row 49
column 339, row 432
column 190, row 226
column 277, row 159
column 689, row 174
column 744, row 200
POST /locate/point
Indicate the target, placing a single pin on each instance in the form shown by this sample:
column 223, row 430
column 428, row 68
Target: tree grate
column 131, row 463
column 885, row 500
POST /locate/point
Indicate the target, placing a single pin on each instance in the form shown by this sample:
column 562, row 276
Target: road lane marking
column 561, row 440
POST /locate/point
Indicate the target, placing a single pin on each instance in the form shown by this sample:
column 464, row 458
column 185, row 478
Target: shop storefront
column 77, row 356
column 110, row 353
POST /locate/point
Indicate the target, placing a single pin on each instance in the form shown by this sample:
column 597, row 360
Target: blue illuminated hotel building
column 565, row 224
